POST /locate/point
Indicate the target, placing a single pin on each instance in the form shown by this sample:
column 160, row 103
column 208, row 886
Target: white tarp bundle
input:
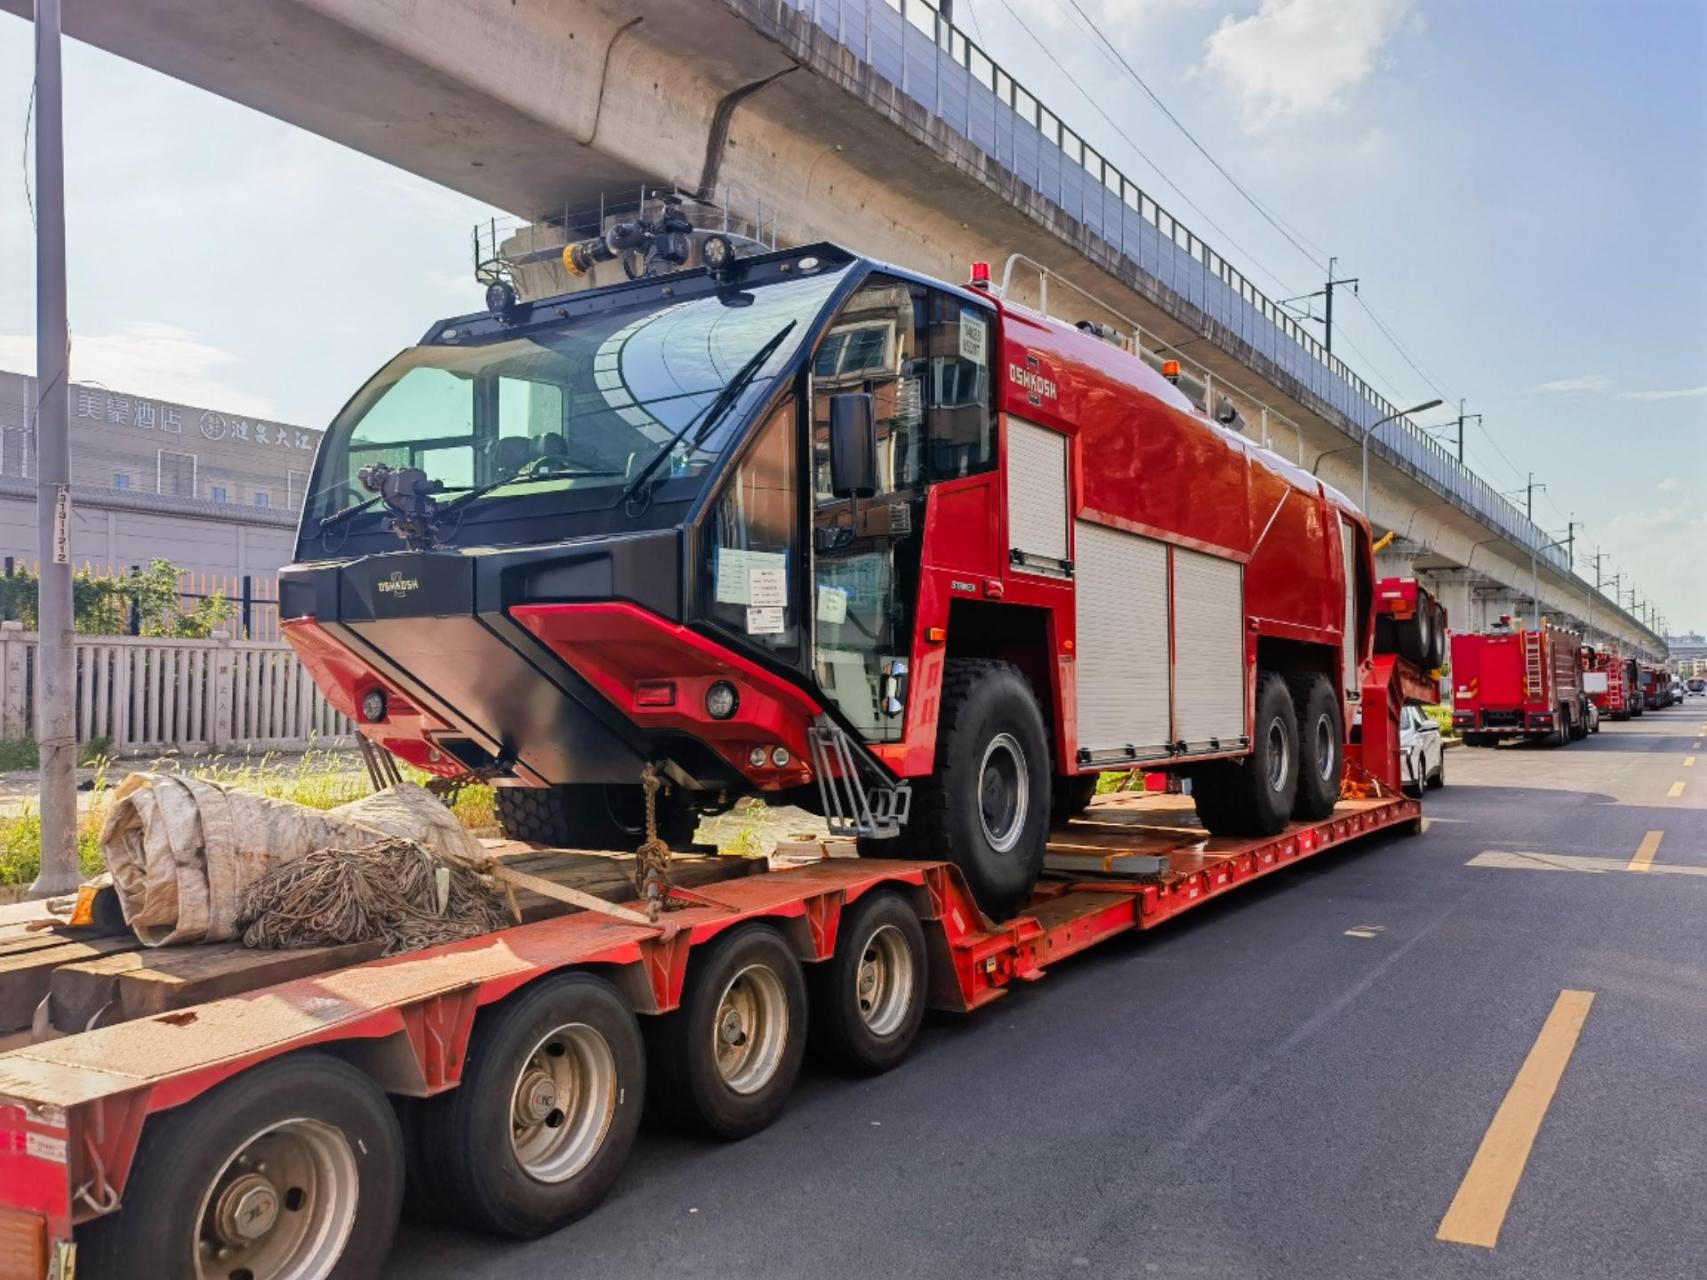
column 182, row 851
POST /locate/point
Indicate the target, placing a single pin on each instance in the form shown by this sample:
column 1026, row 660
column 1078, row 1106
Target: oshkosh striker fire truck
column 815, row 527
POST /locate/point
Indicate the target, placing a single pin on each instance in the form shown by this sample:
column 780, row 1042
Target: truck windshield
column 572, row 412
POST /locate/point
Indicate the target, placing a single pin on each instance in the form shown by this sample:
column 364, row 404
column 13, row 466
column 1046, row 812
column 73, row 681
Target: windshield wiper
column 521, row 477
column 709, row 417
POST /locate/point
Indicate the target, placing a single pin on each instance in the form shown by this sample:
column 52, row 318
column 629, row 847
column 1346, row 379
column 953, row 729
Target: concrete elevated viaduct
column 872, row 122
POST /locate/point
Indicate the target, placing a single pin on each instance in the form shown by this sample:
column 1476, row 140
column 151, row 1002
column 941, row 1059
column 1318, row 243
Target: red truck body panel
column 1516, row 682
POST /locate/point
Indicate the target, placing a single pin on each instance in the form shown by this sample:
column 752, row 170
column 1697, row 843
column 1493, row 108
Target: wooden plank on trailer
column 139, row 984
column 24, row 978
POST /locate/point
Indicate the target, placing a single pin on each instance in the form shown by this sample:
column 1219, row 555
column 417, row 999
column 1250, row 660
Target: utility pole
column 1328, row 308
column 1529, row 497
column 1326, row 320
column 1462, row 419
column 1597, row 558
column 56, row 733
column 1571, row 528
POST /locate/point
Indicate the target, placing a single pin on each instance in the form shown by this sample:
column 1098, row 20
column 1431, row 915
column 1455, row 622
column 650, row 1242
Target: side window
column 961, row 427
column 753, row 544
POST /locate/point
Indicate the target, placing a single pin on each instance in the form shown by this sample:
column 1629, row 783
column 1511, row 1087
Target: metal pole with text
column 56, row 734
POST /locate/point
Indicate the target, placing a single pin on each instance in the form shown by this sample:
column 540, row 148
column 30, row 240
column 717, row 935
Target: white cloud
column 1661, row 547
column 1583, row 382
column 1671, row 484
column 1300, row 57
column 1685, row 393
column 157, row 360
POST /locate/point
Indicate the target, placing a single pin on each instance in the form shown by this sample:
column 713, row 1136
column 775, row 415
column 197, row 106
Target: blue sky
column 1520, row 186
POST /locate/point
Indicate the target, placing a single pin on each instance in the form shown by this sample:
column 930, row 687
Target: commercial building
column 215, row 492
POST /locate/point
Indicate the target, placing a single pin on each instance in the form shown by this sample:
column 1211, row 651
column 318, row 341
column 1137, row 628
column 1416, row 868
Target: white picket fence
column 147, row 695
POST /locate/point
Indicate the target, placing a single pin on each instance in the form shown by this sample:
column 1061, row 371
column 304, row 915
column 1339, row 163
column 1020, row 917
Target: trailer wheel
column 1072, row 796
column 725, row 1062
column 545, row 1116
column 1321, row 745
column 869, row 997
column 291, row 1170
column 590, row 816
column 987, row 804
column 1253, row 796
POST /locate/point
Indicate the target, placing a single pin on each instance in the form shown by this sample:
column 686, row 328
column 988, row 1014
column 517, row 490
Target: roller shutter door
column 1122, row 651
column 1037, row 498
column 1209, row 649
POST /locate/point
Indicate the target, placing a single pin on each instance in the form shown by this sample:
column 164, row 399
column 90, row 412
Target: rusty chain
column 652, row 858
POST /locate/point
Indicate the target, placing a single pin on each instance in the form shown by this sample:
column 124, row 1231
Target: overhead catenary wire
column 1139, row 152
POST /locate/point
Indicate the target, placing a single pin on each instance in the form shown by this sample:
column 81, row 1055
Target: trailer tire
column 1072, row 796
column 499, row 1151
column 1254, row 795
column 747, row 984
column 590, row 816
column 987, row 804
column 1321, row 745
column 311, row 1121
column 868, row 998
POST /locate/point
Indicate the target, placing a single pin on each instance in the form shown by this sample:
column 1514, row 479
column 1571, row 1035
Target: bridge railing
column 910, row 44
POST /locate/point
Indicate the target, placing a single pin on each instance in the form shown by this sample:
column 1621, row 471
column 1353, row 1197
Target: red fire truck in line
column 1656, row 687
column 1610, row 682
column 1515, row 682
column 802, row 521
column 818, row 528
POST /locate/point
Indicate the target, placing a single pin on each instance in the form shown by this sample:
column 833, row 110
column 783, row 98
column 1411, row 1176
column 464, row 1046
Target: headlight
column 780, row 757
column 721, row 700
column 716, row 252
column 756, row 757
column 500, row 298
column 373, row 706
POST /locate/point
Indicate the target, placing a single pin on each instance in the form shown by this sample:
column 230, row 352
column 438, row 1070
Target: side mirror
column 853, row 445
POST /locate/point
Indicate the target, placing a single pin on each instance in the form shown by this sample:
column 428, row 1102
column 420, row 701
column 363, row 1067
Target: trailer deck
column 72, row 1108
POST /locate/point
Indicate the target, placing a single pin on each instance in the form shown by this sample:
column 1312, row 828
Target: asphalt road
column 1250, row 1091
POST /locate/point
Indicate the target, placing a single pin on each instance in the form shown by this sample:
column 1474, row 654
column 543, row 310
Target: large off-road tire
column 1321, row 745
column 869, row 997
column 294, row 1167
column 1436, row 650
column 986, row 806
column 725, row 1062
column 1579, row 723
column 1254, row 795
column 591, row 816
column 551, row 1097
column 1072, row 796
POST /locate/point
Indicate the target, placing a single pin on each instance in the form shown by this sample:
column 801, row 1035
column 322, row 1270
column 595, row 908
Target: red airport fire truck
column 1656, row 686
column 1610, row 682
column 1410, row 622
column 795, row 523
column 1513, row 682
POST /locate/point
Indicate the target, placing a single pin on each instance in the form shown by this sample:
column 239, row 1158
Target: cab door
column 922, row 355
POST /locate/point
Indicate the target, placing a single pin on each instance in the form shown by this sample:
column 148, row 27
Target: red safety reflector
column 936, row 635
column 980, row 275
column 655, row 693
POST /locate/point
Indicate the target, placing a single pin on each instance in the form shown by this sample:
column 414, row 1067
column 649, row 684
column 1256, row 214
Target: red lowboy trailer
column 803, row 525
column 1515, row 682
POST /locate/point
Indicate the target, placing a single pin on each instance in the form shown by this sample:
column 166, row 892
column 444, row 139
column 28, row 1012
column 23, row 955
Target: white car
column 1422, row 754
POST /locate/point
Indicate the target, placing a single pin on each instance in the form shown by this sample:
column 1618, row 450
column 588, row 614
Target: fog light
column 721, row 700
column 756, row 757
column 780, row 757
column 373, row 706
column 500, row 298
column 717, row 252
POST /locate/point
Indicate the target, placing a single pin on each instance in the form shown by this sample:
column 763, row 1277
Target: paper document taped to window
column 832, row 604
column 735, row 569
column 767, row 588
column 765, row 621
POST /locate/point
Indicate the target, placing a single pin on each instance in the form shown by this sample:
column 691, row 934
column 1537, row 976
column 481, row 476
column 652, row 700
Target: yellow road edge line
column 1645, row 851
column 1478, row 1210
column 1688, row 762
column 1675, row 792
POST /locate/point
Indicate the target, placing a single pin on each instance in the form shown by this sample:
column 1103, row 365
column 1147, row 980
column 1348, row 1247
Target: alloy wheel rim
column 1003, row 792
column 750, row 1029
column 563, row 1102
column 281, row 1208
column 883, row 981
column 1279, row 755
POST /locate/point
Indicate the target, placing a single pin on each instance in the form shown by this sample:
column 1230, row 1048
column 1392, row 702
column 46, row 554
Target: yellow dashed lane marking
column 1688, row 762
column 1675, row 792
column 1645, row 851
column 1478, row 1210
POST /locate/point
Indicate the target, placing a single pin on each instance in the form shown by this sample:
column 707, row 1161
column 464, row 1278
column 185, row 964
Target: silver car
column 1422, row 753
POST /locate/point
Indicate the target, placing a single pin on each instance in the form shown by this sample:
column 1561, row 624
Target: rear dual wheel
column 291, row 1171
column 1254, row 795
